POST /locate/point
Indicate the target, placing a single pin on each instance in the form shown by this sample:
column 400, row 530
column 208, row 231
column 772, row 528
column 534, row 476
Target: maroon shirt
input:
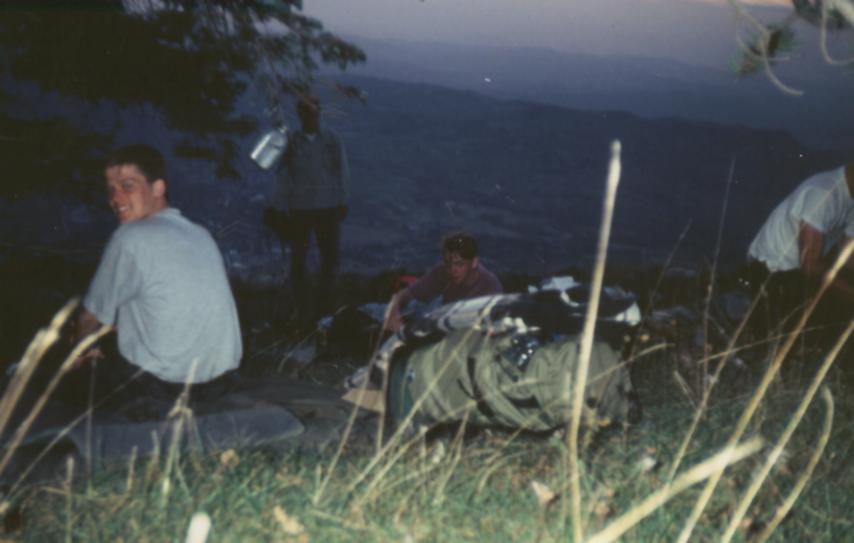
column 437, row 282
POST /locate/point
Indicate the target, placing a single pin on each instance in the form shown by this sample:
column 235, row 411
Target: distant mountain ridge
column 526, row 178
column 647, row 86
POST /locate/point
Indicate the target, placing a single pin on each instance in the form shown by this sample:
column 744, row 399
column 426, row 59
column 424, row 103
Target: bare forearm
column 843, row 283
column 395, row 320
column 86, row 324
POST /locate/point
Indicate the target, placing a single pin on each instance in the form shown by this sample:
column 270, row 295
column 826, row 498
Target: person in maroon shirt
column 458, row 277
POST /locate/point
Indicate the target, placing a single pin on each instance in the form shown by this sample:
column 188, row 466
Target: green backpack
column 509, row 361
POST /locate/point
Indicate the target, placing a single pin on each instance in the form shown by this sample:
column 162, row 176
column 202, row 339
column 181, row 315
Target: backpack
column 509, row 361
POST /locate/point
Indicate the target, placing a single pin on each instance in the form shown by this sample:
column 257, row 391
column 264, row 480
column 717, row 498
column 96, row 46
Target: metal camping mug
column 270, row 147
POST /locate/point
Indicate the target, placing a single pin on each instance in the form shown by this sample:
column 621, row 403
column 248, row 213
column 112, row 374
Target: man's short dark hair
column 461, row 243
column 145, row 157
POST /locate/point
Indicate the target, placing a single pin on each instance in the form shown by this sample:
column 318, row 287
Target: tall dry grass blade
column 382, row 471
column 386, row 319
column 655, row 288
column 770, row 373
column 457, row 448
column 586, row 346
column 345, row 436
column 90, row 411
column 713, row 273
column 199, row 528
column 790, row 500
column 400, row 447
column 64, row 368
column 181, row 415
column 130, row 477
column 400, row 431
column 495, row 460
column 33, row 355
column 69, row 502
column 774, row 456
column 707, row 391
column 318, row 494
column 716, row 464
column 686, row 389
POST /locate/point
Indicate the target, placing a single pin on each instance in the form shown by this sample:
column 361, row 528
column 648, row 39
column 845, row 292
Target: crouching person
column 162, row 285
column 459, row 276
column 509, row 361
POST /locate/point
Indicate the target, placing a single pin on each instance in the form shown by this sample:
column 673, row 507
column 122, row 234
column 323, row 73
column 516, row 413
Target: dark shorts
column 115, row 385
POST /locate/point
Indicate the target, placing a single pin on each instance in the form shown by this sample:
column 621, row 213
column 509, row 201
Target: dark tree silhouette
column 191, row 61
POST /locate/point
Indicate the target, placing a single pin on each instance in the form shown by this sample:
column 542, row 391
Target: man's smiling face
column 132, row 197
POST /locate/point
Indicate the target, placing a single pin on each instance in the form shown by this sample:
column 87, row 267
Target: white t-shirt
column 162, row 283
column 824, row 202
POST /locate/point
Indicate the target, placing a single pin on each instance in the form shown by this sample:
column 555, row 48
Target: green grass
column 476, row 489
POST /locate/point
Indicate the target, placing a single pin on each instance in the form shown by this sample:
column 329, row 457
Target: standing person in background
column 311, row 196
column 458, row 277
column 799, row 242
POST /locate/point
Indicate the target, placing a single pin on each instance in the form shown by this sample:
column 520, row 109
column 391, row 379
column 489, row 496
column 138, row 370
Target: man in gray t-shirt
column 161, row 284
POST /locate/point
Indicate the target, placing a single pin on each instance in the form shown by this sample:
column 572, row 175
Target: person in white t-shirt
column 799, row 242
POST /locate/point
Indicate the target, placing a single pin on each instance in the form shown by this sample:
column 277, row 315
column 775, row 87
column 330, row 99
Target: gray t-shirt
column 162, row 283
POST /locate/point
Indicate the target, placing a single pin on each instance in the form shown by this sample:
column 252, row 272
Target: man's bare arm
column 811, row 246
column 85, row 325
column 397, row 303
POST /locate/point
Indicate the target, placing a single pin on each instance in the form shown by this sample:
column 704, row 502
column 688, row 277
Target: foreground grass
column 480, row 488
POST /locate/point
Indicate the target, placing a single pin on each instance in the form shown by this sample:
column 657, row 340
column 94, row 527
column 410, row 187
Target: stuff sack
column 510, row 360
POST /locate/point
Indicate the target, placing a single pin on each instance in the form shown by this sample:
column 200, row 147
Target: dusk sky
column 696, row 31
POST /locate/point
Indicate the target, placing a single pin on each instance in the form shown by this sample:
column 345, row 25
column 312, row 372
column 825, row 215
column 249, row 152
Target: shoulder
column 429, row 283
column 489, row 278
column 167, row 224
column 825, row 190
column 438, row 270
column 826, row 181
column 130, row 234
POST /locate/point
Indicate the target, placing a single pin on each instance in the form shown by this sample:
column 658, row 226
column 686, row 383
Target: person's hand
column 393, row 320
column 393, row 323
column 90, row 356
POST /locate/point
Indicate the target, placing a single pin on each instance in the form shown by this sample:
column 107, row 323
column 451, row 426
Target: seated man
column 796, row 246
column 162, row 285
column 460, row 276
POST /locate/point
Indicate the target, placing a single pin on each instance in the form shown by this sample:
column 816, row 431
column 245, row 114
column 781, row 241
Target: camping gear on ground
column 270, row 147
column 509, row 361
column 352, row 331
